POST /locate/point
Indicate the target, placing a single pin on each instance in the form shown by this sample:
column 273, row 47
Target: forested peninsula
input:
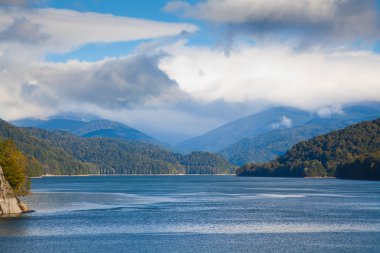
column 350, row 153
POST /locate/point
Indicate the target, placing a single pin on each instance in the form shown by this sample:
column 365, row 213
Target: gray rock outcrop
column 9, row 203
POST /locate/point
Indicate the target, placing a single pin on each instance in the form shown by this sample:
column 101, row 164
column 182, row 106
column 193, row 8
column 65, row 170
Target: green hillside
column 95, row 128
column 131, row 157
column 268, row 146
column 326, row 155
column 61, row 153
column 42, row 157
column 364, row 167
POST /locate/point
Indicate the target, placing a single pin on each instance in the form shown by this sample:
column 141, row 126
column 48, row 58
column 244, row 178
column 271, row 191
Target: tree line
column 348, row 153
column 63, row 153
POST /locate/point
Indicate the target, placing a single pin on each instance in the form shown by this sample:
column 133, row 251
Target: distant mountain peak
column 281, row 118
column 94, row 128
column 272, row 118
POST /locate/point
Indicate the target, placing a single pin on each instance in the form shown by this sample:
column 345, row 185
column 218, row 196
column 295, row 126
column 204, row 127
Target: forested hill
column 349, row 153
column 131, row 157
column 42, row 157
column 267, row 146
column 95, row 128
column 64, row 153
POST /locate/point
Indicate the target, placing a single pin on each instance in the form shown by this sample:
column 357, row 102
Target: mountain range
column 94, row 128
column 259, row 137
column 263, row 136
column 60, row 152
column 253, row 125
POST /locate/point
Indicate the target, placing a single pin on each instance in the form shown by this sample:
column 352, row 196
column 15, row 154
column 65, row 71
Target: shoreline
column 134, row 175
column 321, row 177
column 160, row 175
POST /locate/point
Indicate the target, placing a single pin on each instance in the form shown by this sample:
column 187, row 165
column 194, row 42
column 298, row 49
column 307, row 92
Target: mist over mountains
column 259, row 137
column 263, row 136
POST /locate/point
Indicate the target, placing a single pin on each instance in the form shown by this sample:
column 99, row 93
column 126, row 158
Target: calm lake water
column 196, row 214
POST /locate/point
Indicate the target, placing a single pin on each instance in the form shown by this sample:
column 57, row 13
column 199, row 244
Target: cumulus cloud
column 283, row 122
column 32, row 87
column 131, row 89
column 114, row 83
column 308, row 79
column 188, row 89
column 323, row 20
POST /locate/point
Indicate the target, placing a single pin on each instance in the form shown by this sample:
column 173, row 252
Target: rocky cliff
column 9, row 203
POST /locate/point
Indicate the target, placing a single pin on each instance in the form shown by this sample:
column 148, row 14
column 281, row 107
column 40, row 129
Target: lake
column 196, row 214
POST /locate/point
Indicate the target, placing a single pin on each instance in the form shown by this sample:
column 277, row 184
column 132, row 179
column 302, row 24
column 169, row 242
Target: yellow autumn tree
column 13, row 163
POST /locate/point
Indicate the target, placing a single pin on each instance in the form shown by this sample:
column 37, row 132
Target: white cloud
column 130, row 89
column 129, row 81
column 328, row 111
column 65, row 30
column 284, row 122
column 32, row 87
column 191, row 89
column 307, row 79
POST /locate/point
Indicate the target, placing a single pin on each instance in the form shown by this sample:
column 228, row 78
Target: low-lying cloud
column 280, row 75
column 283, row 122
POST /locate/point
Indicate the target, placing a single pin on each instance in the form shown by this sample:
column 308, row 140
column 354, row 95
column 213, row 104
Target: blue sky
column 144, row 9
column 132, row 8
column 180, row 68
